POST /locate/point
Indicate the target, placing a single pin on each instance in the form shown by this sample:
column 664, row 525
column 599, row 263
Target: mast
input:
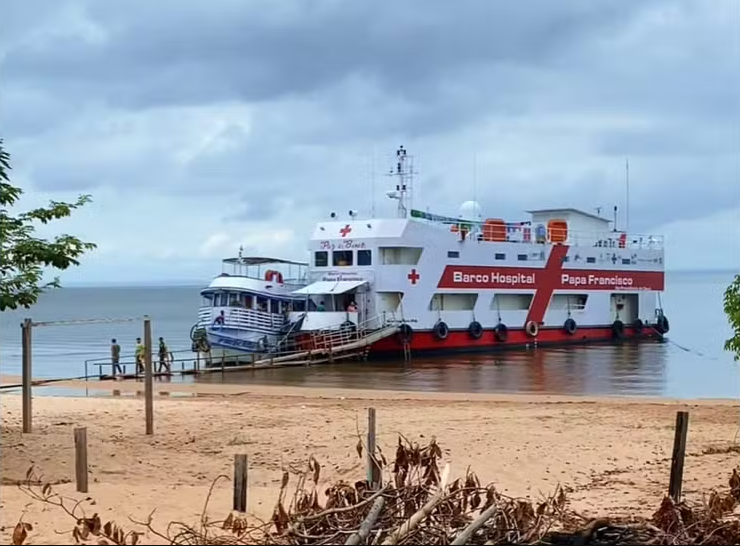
column 403, row 171
column 627, row 183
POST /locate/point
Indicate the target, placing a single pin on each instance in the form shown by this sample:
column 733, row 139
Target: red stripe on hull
column 460, row 340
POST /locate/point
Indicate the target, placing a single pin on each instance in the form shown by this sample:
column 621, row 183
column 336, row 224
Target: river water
column 691, row 364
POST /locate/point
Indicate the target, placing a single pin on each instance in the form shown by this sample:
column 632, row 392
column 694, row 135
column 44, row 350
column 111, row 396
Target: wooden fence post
column 679, row 451
column 81, row 459
column 373, row 468
column 148, row 377
column 27, row 379
column 240, row 483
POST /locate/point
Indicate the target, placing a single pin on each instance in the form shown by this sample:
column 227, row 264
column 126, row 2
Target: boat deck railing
column 600, row 239
column 240, row 318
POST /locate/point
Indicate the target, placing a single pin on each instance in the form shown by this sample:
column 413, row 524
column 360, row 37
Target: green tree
column 732, row 310
column 24, row 257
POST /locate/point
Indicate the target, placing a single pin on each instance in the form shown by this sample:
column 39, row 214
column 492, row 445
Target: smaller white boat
column 246, row 308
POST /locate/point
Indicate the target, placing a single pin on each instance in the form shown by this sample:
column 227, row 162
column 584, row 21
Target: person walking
column 115, row 357
column 163, row 356
column 140, row 350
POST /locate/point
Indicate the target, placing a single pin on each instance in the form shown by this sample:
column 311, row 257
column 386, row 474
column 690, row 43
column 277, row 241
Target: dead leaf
column 19, row 533
column 228, row 522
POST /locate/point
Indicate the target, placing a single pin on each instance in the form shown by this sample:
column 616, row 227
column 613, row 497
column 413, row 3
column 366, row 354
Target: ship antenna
column 372, row 183
column 627, row 184
column 475, row 177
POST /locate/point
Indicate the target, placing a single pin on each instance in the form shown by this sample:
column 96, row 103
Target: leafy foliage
column 732, row 310
column 23, row 257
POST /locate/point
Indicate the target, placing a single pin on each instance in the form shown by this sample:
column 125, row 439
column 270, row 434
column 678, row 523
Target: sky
column 198, row 127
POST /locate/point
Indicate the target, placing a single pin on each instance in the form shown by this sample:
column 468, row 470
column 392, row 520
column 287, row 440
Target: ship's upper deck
column 581, row 229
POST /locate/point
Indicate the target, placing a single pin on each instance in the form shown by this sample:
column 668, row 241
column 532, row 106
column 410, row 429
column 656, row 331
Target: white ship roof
column 329, row 287
column 569, row 210
column 370, row 228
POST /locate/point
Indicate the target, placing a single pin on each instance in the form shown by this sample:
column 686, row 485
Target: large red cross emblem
column 547, row 284
column 413, row 276
column 345, row 230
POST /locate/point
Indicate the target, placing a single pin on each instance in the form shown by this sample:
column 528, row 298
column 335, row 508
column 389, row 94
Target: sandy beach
column 613, row 453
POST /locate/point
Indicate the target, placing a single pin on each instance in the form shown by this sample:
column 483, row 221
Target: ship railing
column 599, row 239
column 241, row 319
column 336, row 337
column 296, row 282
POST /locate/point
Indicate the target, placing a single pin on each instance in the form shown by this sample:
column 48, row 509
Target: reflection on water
column 624, row 369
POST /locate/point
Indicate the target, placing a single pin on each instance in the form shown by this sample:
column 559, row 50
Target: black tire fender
column 475, row 330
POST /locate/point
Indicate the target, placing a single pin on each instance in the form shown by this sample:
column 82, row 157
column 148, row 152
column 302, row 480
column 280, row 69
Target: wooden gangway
column 325, row 346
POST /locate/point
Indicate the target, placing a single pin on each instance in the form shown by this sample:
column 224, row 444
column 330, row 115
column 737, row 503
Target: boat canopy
column 260, row 260
column 329, row 287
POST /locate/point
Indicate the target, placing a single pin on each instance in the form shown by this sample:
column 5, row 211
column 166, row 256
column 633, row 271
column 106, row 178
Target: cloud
column 195, row 126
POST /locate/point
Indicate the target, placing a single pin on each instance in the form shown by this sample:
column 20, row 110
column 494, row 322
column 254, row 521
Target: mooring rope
column 86, row 321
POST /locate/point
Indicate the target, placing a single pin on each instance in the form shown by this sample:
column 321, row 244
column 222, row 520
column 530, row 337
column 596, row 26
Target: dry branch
column 416, row 506
column 367, row 524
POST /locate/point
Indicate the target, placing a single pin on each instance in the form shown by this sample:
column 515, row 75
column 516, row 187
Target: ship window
column 511, row 302
column 522, row 257
column 342, row 258
column 364, row 257
column 399, row 255
column 220, row 300
column 590, row 260
column 389, row 302
column 626, row 261
column 568, row 302
column 453, row 254
column 500, row 256
column 321, row 258
column 263, row 304
column 453, row 302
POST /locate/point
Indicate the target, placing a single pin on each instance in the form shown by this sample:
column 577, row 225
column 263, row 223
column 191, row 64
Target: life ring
column 638, row 325
column 475, row 330
column 618, row 329
column 532, row 328
column 570, row 326
column 273, row 275
column 405, row 333
column 441, row 330
column 501, row 332
column 662, row 326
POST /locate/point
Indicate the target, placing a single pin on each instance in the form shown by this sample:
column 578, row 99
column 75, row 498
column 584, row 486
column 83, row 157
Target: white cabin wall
column 648, row 303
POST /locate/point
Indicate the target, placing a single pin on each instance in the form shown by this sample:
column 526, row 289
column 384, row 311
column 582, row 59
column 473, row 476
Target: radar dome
column 470, row 210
